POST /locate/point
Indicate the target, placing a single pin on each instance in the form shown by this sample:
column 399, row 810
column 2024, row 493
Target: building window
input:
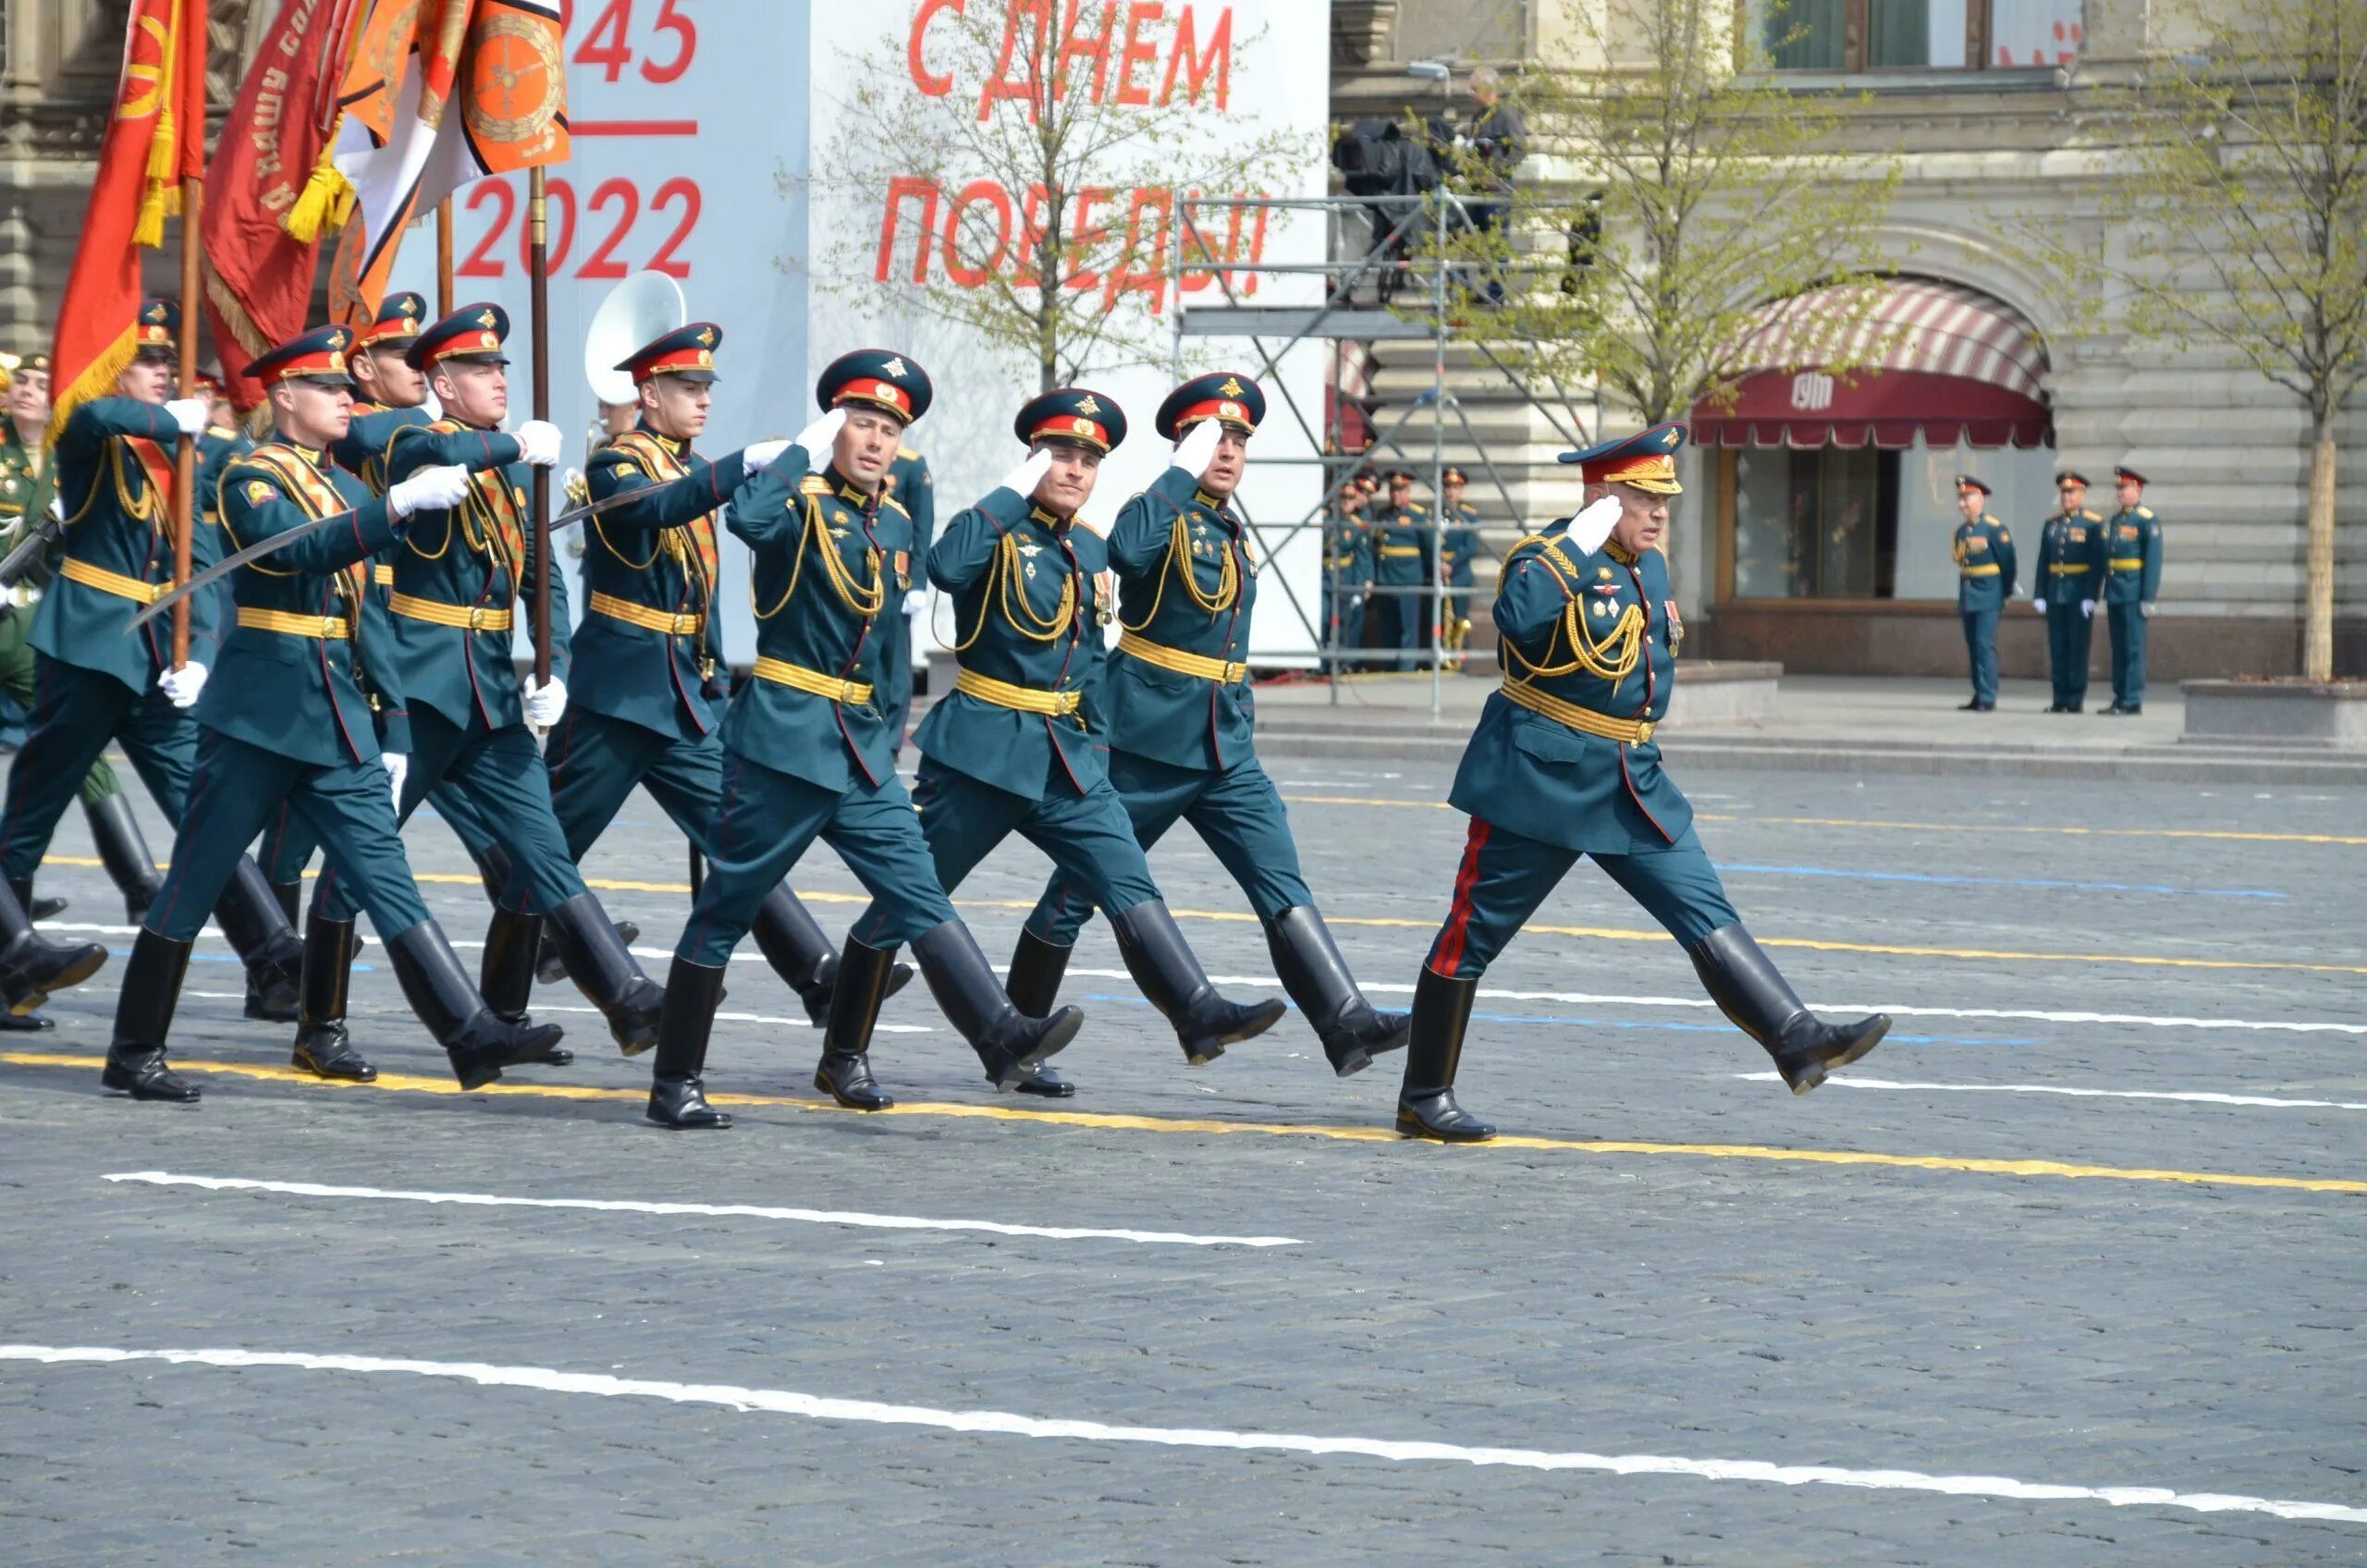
column 1876, row 35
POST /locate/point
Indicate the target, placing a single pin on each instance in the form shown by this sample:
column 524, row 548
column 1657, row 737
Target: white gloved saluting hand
column 761, row 455
column 545, row 704
column 431, row 489
column 1198, row 449
column 538, row 443
column 1593, row 524
column 1022, row 480
column 189, row 414
column 818, row 437
column 181, row 686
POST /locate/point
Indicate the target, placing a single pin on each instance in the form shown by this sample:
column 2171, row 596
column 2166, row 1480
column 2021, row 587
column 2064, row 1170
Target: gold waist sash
column 646, row 618
column 1627, row 732
column 780, row 672
column 114, row 582
column 1022, row 699
column 1182, row 663
column 468, row 617
column 293, row 625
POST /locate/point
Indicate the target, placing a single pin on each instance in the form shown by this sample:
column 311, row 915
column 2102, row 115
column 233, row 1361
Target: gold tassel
column 97, row 380
column 326, row 201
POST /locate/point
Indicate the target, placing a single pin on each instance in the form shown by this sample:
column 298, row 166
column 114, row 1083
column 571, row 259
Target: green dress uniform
column 1984, row 556
column 1458, row 549
column 651, row 683
column 1181, row 735
column 1401, row 541
column 287, row 726
column 1563, row 765
column 2132, row 584
column 910, row 486
column 1347, row 575
column 2069, row 576
column 92, row 684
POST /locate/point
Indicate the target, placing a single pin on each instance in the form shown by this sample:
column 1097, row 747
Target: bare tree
column 1026, row 155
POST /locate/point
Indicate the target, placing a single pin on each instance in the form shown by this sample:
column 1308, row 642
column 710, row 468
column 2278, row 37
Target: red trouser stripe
column 1446, row 953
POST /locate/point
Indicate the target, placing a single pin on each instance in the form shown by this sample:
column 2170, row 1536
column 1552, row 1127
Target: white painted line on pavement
column 2192, row 1097
column 782, row 1402
column 1893, row 1008
column 721, row 1211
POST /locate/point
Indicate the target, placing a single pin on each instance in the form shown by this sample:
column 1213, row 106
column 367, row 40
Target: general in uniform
column 289, row 724
column 2132, row 584
column 92, row 684
column 1458, row 549
column 806, row 756
column 1347, row 571
column 1563, row 764
column 459, row 574
column 2071, row 573
column 650, row 682
column 910, row 486
column 1984, row 554
column 1403, row 535
column 1182, row 726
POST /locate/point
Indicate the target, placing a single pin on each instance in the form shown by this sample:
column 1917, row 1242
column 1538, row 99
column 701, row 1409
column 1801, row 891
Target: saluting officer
column 2070, row 571
column 1183, row 742
column 1347, row 569
column 93, row 684
column 1984, row 554
column 1401, row 565
column 910, row 486
column 650, row 681
column 2132, row 582
column 28, row 486
column 288, row 729
column 459, row 573
column 1564, row 765
column 1010, row 748
column 807, row 745
column 1458, row 547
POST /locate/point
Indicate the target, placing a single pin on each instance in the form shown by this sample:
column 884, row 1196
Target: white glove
column 1194, row 453
column 397, row 769
column 818, row 437
column 2146, row 610
column 1593, row 524
column 431, row 489
column 762, row 455
column 189, row 414
column 538, row 443
column 917, row 601
column 1022, row 480
column 2088, row 610
column 545, row 704
column 2038, row 604
column 181, row 686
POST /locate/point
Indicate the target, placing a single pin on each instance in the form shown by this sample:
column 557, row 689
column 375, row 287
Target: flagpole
column 185, row 449
column 538, row 271
column 444, row 306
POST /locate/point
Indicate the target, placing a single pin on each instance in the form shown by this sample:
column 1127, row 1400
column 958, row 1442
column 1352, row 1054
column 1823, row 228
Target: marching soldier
column 2132, row 582
column 459, row 573
column 1458, row 547
column 909, row 486
column 1347, row 571
column 1181, row 731
column 92, row 683
column 1563, row 764
column 1401, row 567
column 806, row 744
column 648, row 658
column 28, row 487
column 222, row 443
column 1984, row 554
column 1010, row 748
column 288, row 728
column 2071, row 569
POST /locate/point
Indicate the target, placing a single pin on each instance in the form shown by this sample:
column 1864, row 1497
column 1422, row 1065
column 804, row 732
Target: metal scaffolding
column 1388, row 291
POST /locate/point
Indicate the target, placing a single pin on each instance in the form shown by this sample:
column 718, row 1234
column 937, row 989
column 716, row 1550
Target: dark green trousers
column 2068, row 638
column 287, row 846
column 76, row 713
column 2127, row 626
column 1980, row 644
column 16, row 680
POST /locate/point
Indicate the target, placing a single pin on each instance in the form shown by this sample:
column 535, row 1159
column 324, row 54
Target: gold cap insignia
column 896, row 368
column 1085, row 404
column 336, row 338
column 156, row 310
column 1082, row 426
column 488, row 340
column 336, row 362
column 487, row 318
column 1231, row 410
column 1231, row 388
column 707, row 337
column 706, row 360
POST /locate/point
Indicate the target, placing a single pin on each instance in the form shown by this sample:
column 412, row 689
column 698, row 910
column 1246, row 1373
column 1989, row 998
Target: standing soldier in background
column 1458, row 547
column 1347, row 571
column 92, row 683
column 28, row 486
column 910, row 487
column 2132, row 582
column 1984, row 554
column 2070, row 570
column 1401, row 567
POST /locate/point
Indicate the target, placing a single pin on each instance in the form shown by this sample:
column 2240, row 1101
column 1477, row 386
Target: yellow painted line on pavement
column 399, row 1083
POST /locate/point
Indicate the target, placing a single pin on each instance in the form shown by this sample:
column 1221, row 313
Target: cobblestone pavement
column 2014, row 1248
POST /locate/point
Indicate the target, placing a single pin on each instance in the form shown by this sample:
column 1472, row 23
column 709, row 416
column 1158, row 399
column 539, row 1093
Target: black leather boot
column 677, row 1094
column 1758, row 1000
column 250, row 915
column 437, row 988
column 291, row 900
column 31, row 968
column 1010, row 1046
column 143, row 1016
column 1171, row 977
column 1034, row 987
column 506, row 977
column 845, row 1072
column 124, row 853
column 551, row 969
column 604, row 970
column 1426, row 1103
column 792, row 942
column 1352, row 1029
column 36, row 909
column 322, row 1048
